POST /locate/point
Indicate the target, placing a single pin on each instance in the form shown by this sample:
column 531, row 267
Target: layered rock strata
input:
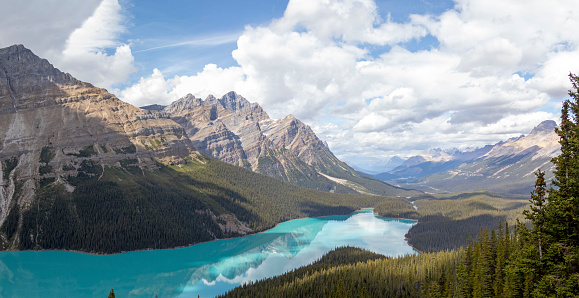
column 51, row 123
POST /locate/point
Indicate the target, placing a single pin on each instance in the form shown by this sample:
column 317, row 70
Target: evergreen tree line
column 493, row 265
column 550, row 256
column 353, row 272
column 114, row 209
column 445, row 221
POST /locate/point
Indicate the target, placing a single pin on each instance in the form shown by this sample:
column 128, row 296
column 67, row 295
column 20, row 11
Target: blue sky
column 374, row 79
column 202, row 31
column 163, row 33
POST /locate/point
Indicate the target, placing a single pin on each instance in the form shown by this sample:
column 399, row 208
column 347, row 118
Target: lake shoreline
column 207, row 269
column 189, row 245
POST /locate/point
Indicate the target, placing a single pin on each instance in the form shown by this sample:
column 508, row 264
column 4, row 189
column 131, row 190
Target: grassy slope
column 273, row 201
column 286, row 166
column 297, row 172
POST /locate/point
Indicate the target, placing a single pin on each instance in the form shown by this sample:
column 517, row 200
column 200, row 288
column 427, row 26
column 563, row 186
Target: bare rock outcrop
column 50, row 123
column 236, row 131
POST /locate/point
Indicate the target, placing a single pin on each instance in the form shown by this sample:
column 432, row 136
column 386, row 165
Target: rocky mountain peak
column 231, row 101
column 23, row 73
column 210, row 99
column 27, row 80
column 290, row 117
column 51, row 122
column 236, row 131
column 183, row 104
column 545, row 127
column 234, row 102
column 153, row 107
column 414, row 160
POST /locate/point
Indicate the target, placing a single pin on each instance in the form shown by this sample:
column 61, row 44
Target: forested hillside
column 352, row 272
column 114, row 209
column 446, row 221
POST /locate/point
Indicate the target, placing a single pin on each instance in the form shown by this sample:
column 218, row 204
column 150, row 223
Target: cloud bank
column 85, row 54
column 497, row 64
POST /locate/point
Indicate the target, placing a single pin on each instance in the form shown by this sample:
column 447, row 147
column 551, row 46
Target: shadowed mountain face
column 51, row 123
column 506, row 167
column 27, row 80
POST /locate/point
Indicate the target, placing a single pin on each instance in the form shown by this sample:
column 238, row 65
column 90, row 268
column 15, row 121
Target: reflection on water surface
column 206, row 269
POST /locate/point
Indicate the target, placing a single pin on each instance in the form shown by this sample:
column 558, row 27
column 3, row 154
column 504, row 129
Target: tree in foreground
column 536, row 214
column 557, row 221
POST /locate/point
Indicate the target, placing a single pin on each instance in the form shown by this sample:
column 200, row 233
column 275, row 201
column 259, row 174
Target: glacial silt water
column 205, row 269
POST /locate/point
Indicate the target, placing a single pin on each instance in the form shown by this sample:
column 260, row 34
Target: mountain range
column 83, row 170
column 505, row 168
column 233, row 130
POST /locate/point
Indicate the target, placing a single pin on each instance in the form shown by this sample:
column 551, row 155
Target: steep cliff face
column 218, row 127
column 26, row 80
column 233, row 130
column 52, row 124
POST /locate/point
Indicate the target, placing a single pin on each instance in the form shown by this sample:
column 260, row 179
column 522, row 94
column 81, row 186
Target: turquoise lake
column 205, row 269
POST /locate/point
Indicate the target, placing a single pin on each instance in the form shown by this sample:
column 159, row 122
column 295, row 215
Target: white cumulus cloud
column 149, row 90
column 85, row 55
column 78, row 37
column 43, row 25
column 319, row 61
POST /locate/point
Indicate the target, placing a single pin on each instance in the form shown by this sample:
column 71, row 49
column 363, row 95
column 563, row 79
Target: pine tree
column 486, row 265
column 536, row 214
column 499, row 263
column 465, row 269
column 112, row 294
column 560, row 229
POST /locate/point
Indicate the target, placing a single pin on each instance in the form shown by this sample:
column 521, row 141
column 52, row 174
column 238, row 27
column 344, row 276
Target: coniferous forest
column 116, row 209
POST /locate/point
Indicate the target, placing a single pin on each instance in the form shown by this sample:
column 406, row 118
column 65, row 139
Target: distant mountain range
column 378, row 167
column 83, row 170
column 506, row 167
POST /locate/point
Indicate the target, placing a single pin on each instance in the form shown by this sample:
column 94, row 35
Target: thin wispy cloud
column 200, row 42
